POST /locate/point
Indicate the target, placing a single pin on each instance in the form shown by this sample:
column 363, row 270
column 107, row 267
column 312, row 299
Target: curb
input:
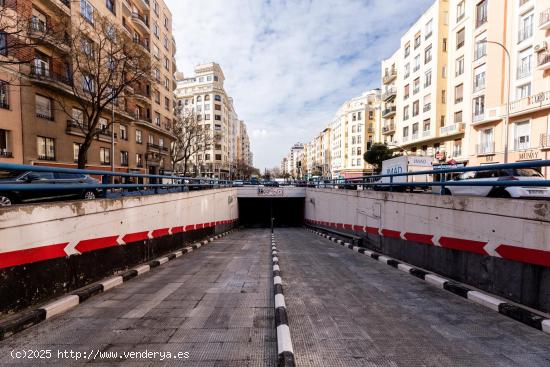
column 23, row 320
column 284, row 341
column 510, row 310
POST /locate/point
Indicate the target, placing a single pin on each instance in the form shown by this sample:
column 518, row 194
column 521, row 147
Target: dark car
column 10, row 197
column 271, row 184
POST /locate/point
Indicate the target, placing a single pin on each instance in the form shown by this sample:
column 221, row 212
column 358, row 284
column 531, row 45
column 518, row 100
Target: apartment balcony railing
column 76, row 127
column 416, row 90
column 545, row 140
column 416, row 68
column 389, row 111
column 143, row 43
column 525, row 33
column 140, row 21
column 426, row 133
column 456, row 128
column 4, row 153
column 389, row 76
column 522, row 144
column 543, row 61
column 45, row 116
column 479, row 86
column 414, row 136
column 478, row 117
column 144, row 3
column 50, row 76
column 405, row 138
column 389, row 94
column 485, row 148
column 427, row 107
column 46, row 158
column 4, row 105
column 388, row 128
column 537, row 101
column 544, row 19
column 141, row 118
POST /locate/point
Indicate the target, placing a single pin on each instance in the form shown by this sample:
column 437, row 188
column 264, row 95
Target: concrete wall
column 49, row 249
column 499, row 245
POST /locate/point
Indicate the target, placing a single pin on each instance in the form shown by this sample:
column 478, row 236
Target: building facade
column 51, row 122
column 204, row 94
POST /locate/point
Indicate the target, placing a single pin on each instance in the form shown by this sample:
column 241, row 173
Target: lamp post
column 507, row 121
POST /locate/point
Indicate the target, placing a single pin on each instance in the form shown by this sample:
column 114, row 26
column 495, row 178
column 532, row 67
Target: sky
column 290, row 64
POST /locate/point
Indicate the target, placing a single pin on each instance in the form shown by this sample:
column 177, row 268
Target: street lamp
column 507, row 121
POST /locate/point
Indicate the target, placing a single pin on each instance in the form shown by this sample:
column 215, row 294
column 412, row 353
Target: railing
column 389, row 93
column 426, row 133
column 543, row 60
column 388, row 77
column 50, row 76
column 524, row 33
column 83, row 128
column 455, row 128
column 545, row 140
column 388, row 111
column 434, row 178
column 110, row 184
column 427, row 107
column 6, row 154
column 388, row 127
column 534, row 101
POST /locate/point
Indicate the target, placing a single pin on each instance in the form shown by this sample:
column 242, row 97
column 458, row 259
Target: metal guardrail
column 377, row 180
column 156, row 184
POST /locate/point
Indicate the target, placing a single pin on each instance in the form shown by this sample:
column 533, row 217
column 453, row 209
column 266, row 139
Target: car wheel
column 504, row 194
column 89, row 195
column 5, row 201
column 447, row 192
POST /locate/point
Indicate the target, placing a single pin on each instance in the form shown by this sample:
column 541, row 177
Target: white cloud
column 289, row 64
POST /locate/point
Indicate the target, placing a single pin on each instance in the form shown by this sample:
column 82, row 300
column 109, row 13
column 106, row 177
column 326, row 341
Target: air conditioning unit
column 543, row 46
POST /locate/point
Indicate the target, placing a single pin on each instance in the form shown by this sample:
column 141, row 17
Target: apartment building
column 522, row 27
column 390, row 69
column 52, row 123
column 204, row 94
column 420, row 111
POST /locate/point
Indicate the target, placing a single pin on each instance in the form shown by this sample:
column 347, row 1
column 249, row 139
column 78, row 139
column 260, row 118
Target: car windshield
column 8, row 175
column 528, row 172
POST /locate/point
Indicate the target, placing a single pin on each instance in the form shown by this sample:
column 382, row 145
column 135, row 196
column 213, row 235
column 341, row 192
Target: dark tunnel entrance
column 256, row 212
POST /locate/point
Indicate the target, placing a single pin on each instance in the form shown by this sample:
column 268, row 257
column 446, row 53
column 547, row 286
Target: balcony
column 388, row 128
column 142, row 95
column 543, row 61
column 80, row 129
column 544, row 19
column 141, row 22
column 545, row 140
column 389, row 76
column 389, row 94
column 63, row 5
column 143, row 119
column 485, row 148
column 46, row 158
column 126, row 8
column 427, row 107
column 41, row 34
column 48, row 76
column 426, row 133
column 534, row 102
column 452, row 129
column 525, row 33
column 389, row 111
column 414, row 136
column 143, row 43
column 144, row 4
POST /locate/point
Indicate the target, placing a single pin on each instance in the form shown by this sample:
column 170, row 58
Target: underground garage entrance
column 257, row 212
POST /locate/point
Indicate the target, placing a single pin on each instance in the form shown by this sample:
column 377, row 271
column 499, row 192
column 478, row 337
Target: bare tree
column 21, row 31
column 190, row 138
column 103, row 67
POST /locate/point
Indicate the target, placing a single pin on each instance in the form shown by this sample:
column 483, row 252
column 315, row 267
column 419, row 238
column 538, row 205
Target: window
column 417, row 41
column 157, row 97
column 167, row 103
column 166, row 83
column 161, row 142
column 416, row 85
column 166, row 43
column 156, row 52
column 416, row 63
column 45, row 148
column 479, row 108
column 166, row 64
column 406, row 92
column 426, row 125
column 459, row 93
column 217, row 117
column 3, row 43
column 486, row 141
column 525, row 60
column 481, row 13
column 38, row 21
column 104, row 155
column 156, row 7
column 217, row 98
column 444, row 45
column 88, row 83
column 458, row 117
column 215, row 78
column 428, row 79
column 218, row 107
column 406, row 113
column 481, row 48
column 41, row 65
column 139, row 160
column 207, row 116
column 123, row 158
column 150, row 139
column 87, row 11
column 76, row 150
column 156, row 30
column 479, row 78
column 139, row 137
column 4, row 95
column 521, row 135
column 123, row 132
column 428, row 54
column 526, row 24
column 460, row 38
column 416, row 108
column 43, row 107
column 523, row 91
column 110, row 4
column 207, row 97
column 443, row 96
column 428, row 29
column 407, row 70
column 427, row 103
column 406, row 131
column 459, row 66
column 415, row 130
column 207, row 106
column 460, row 11
column 157, row 118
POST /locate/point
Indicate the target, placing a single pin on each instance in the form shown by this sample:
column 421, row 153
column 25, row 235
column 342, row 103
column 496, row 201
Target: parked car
column 238, row 183
column 8, row 198
column 517, row 174
column 271, row 184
